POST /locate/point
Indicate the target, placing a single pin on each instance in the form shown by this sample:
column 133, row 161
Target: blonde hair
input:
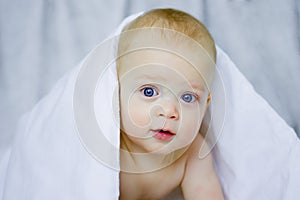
column 178, row 21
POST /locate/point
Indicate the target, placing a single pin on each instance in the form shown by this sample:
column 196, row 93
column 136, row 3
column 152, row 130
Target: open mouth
column 162, row 134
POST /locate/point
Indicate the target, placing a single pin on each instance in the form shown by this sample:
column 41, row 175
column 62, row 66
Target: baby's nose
column 168, row 109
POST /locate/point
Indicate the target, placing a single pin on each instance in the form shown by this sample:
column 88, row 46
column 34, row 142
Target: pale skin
column 160, row 91
column 196, row 178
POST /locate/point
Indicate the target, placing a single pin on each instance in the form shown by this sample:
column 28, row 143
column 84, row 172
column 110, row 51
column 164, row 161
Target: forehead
column 155, row 64
column 172, row 52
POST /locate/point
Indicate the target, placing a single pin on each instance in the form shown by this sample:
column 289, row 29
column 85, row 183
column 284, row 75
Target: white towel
column 67, row 146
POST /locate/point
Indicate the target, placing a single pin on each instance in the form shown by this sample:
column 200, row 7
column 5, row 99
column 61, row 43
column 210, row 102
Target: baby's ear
column 208, row 99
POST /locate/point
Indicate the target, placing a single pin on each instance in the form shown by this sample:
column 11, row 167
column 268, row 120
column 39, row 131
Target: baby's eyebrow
column 150, row 78
column 195, row 84
column 153, row 77
column 198, row 90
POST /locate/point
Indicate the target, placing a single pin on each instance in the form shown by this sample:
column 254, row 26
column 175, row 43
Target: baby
column 165, row 69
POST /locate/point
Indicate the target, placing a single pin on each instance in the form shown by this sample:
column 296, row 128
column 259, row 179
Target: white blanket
column 256, row 155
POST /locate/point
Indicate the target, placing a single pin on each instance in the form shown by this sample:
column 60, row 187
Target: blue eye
column 189, row 98
column 149, row 92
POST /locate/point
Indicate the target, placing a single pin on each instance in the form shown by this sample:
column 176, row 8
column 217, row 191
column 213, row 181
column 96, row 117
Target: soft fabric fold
column 255, row 155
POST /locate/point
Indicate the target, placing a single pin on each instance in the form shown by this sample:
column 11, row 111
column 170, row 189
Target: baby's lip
column 166, row 130
column 163, row 134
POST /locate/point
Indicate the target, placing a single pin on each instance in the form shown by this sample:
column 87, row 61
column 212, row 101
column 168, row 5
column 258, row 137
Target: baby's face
column 162, row 100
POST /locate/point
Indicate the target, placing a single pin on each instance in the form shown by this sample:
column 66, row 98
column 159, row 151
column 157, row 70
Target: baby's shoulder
column 200, row 180
column 195, row 162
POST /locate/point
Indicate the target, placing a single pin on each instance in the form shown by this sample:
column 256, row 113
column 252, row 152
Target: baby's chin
column 165, row 149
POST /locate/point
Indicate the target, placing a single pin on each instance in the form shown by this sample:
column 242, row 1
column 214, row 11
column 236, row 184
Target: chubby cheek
column 189, row 126
column 135, row 116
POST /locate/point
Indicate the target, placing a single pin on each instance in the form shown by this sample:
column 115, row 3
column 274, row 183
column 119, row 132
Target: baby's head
column 165, row 68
